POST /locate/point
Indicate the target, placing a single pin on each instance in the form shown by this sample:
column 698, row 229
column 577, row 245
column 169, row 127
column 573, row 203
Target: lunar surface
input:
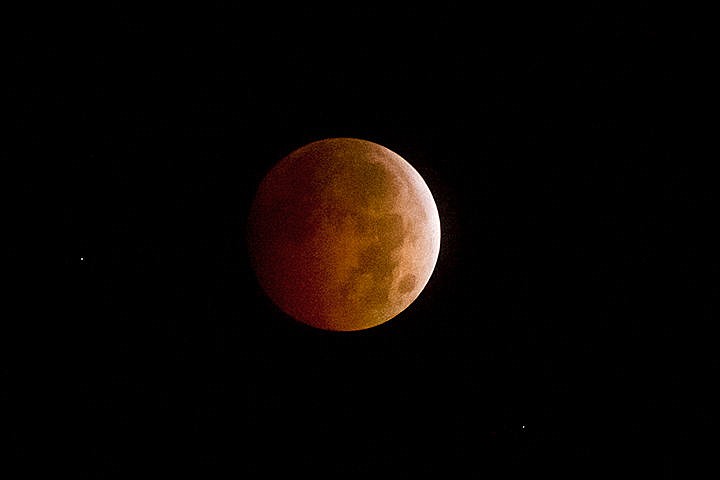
column 343, row 234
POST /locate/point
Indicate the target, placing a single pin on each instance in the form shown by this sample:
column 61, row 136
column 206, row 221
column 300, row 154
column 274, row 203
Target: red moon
column 343, row 234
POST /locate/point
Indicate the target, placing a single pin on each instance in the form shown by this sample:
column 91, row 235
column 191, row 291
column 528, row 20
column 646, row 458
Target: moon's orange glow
column 343, row 234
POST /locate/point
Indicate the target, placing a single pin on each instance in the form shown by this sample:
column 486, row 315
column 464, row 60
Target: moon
column 343, row 234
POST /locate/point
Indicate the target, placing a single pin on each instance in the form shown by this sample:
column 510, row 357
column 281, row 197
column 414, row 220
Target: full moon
column 343, row 234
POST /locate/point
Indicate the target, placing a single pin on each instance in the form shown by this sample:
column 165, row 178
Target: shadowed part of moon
column 343, row 234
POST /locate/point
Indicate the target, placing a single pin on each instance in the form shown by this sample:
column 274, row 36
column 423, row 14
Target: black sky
column 575, row 293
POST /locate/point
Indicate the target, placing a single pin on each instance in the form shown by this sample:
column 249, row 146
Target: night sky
column 568, row 329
